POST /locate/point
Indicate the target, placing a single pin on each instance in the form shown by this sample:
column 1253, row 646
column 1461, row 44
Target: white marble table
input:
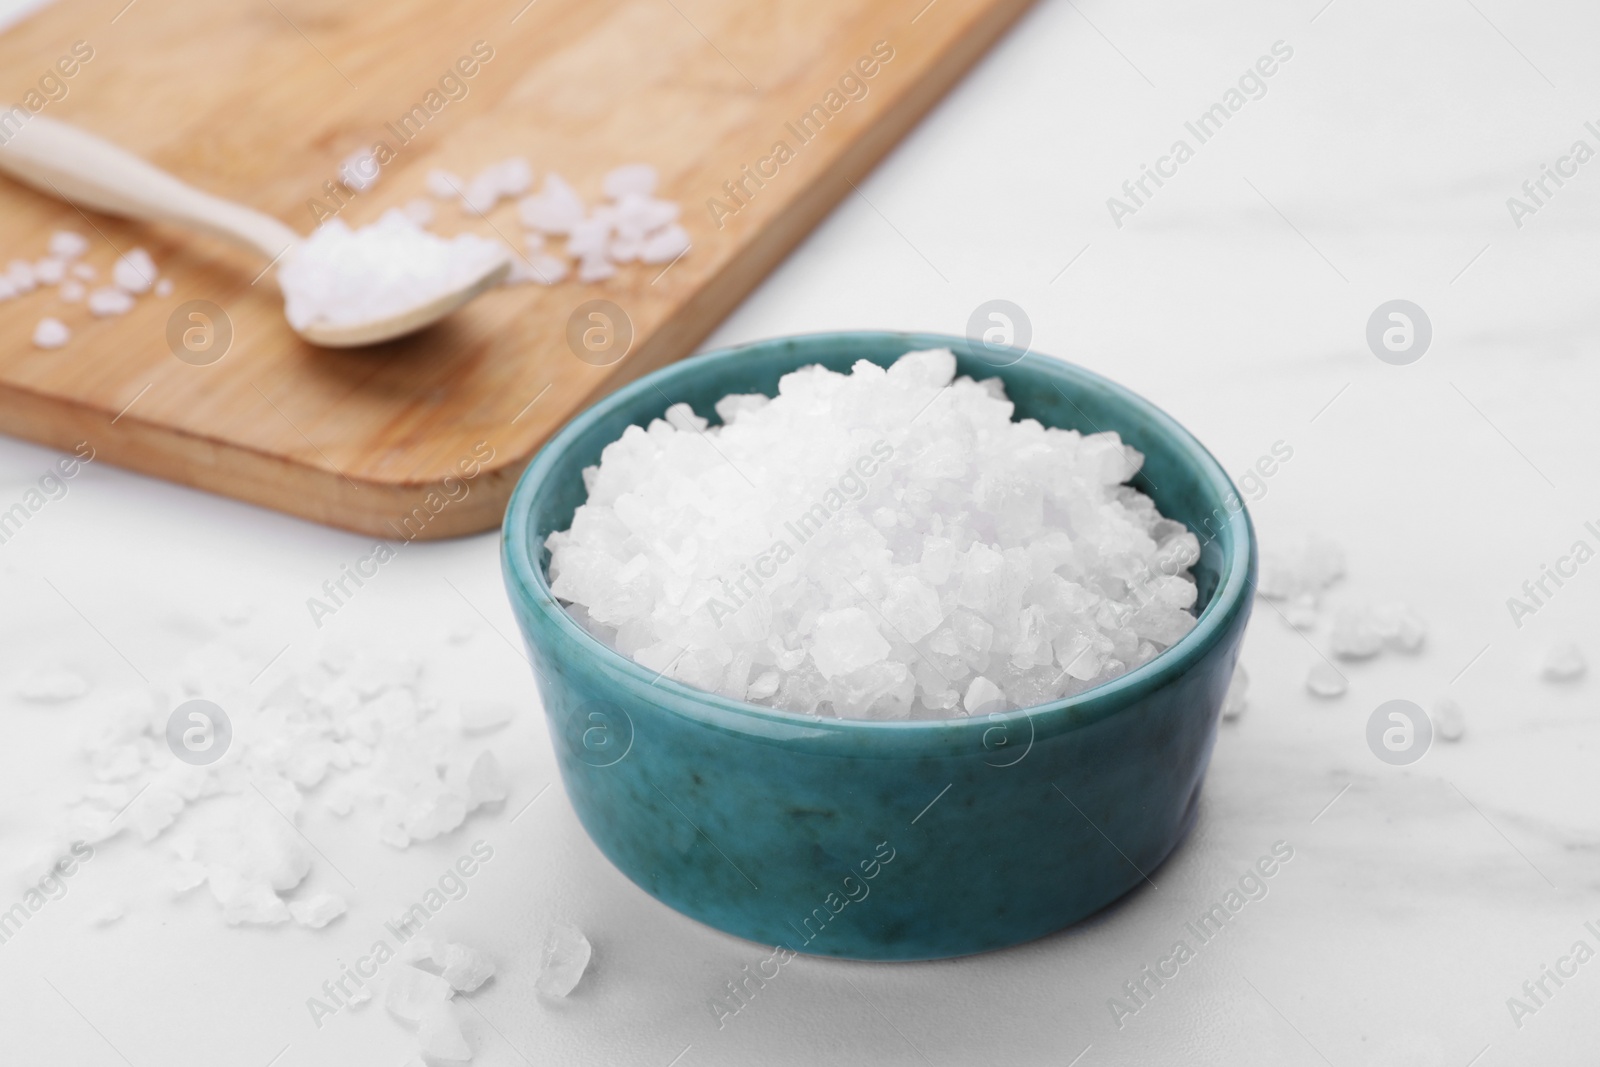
column 1377, row 165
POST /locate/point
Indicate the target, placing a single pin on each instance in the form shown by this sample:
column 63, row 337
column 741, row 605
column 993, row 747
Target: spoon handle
column 89, row 172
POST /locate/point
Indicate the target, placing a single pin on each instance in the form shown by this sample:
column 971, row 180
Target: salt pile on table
column 341, row 276
column 883, row 544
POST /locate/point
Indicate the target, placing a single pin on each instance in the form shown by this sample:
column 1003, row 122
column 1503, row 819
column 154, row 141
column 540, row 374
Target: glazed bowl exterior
column 869, row 839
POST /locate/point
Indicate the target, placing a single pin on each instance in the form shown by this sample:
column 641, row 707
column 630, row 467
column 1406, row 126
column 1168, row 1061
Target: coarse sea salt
column 884, row 544
column 341, row 276
column 51, row 333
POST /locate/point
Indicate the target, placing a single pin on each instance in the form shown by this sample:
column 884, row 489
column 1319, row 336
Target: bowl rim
column 531, row 586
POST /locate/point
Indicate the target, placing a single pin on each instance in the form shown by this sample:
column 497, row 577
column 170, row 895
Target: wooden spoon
column 89, row 172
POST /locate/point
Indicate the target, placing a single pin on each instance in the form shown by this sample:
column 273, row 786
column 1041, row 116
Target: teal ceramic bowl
column 884, row 840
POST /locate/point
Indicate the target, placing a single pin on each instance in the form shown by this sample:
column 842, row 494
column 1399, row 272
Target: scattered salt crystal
column 637, row 178
column 20, row 273
column 555, row 209
column 64, row 244
column 72, row 291
column 1355, row 635
column 665, row 246
column 1400, row 627
column 107, row 913
column 899, row 537
column 84, row 272
column 157, row 809
column 8, row 291
column 418, row 210
column 1448, row 721
column 595, row 269
column 482, row 714
column 107, row 301
column 50, row 271
column 1564, row 663
column 1299, row 568
column 1324, row 680
column 135, row 272
column 422, row 948
column 317, row 910
column 360, row 170
column 164, row 287
column 412, row 992
column 341, row 276
column 566, row 957
column 443, row 185
column 1300, row 612
column 50, row 686
column 187, row 875
column 245, row 901
column 439, row 1035
column 486, row 783
column 541, row 269
column 51, row 333
column 466, row 968
column 1237, row 699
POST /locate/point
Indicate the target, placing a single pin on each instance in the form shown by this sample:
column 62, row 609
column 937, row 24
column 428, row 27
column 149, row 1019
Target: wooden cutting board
column 260, row 101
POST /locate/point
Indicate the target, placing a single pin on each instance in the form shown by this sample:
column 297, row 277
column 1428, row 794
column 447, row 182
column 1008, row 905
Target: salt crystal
column 1324, row 680
column 443, row 185
column 108, row 301
column 540, row 269
column 466, row 968
column 983, row 697
column 481, row 715
column 1355, row 635
column 1236, row 700
column 187, row 875
column 317, row 910
column 1400, row 627
column 84, row 272
column 419, row 210
column 1564, row 663
column 439, row 1035
column 555, row 209
column 872, row 544
column 412, row 992
column 1299, row 568
column 71, row 291
column 846, row 640
column 20, row 273
column 107, row 913
column 486, row 783
column 1448, row 721
column 360, row 170
column 1300, row 612
column 340, row 276
column 134, row 272
column 50, row 686
column 64, row 244
column 566, row 957
column 595, row 269
column 636, row 178
column 8, row 291
column 50, row 271
column 245, row 901
column 665, row 246
column 51, row 333
column 164, row 287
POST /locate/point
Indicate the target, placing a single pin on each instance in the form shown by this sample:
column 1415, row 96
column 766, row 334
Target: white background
column 1377, row 166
